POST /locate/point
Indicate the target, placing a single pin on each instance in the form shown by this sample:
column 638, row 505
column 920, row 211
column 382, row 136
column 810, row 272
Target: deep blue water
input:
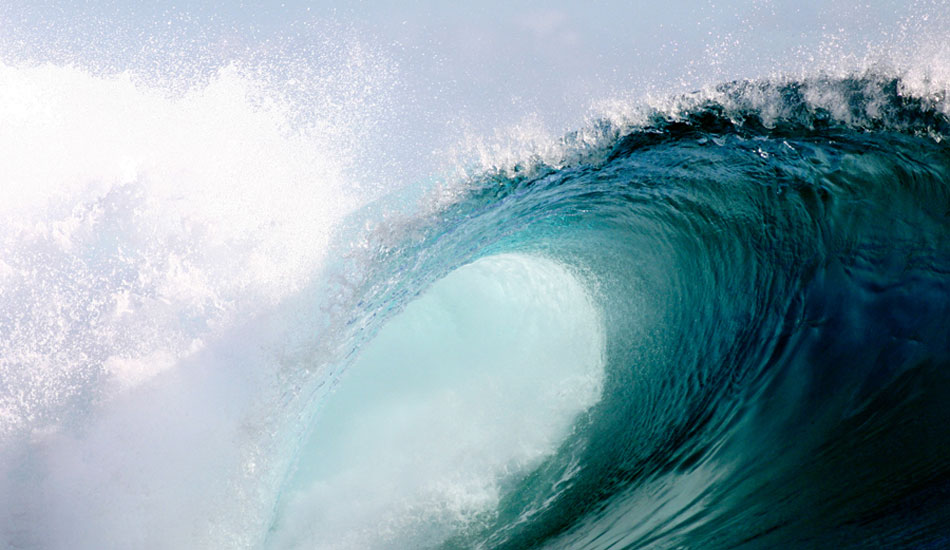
column 772, row 275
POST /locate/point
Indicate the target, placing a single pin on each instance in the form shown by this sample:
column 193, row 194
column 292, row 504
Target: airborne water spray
column 152, row 226
column 702, row 320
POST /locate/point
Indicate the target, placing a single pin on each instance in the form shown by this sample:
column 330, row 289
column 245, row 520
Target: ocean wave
column 770, row 262
column 711, row 320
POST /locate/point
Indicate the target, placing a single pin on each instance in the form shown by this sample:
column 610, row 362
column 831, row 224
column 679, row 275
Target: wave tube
column 459, row 396
column 769, row 260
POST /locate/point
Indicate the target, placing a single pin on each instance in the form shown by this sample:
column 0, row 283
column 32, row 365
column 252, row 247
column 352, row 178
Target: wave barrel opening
column 459, row 396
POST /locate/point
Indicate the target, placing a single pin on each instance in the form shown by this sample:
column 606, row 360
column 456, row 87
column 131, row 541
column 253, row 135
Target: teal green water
column 743, row 303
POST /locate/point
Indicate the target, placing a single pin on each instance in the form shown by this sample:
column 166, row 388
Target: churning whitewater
column 718, row 321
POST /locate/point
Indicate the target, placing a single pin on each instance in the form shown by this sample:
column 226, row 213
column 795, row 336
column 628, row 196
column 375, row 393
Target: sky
column 442, row 72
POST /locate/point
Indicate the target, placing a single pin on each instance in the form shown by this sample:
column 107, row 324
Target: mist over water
column 474, row 278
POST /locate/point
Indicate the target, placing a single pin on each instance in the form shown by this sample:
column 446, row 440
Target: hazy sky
column 450, row 68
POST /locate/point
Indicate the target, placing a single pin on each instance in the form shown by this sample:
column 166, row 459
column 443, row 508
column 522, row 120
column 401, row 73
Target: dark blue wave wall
column 774, row 273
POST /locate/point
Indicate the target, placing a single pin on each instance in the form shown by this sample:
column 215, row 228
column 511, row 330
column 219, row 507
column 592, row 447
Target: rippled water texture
column 719, row 323
column 773, row 289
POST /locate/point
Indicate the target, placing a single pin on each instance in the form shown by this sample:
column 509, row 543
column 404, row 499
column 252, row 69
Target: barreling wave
column 768, row 264
column 716, row 321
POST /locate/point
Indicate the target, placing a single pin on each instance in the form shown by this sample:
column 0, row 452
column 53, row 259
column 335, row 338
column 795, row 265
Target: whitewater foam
column 143, row 230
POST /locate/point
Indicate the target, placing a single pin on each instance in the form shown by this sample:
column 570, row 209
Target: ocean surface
column 719, row 321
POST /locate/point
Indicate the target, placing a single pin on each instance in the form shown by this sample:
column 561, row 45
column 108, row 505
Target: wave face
column 770, row 269
column 722, row 323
